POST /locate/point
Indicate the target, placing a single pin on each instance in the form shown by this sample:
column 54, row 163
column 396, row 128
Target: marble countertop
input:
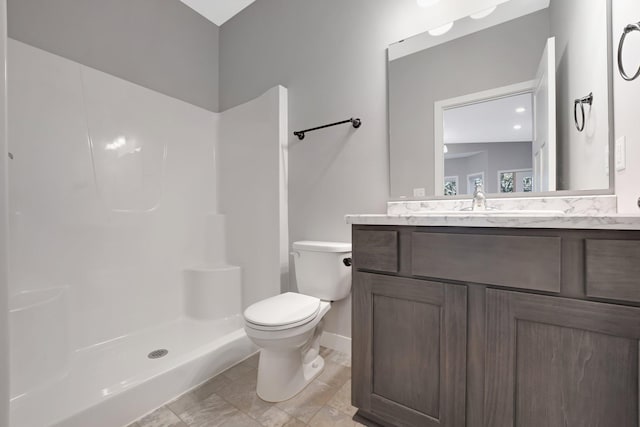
column 603, row 221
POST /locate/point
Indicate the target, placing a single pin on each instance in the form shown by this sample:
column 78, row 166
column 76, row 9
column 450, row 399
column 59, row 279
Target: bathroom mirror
column 518, row 98
column 481, row 145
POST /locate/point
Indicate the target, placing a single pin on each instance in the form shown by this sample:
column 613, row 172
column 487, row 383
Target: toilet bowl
column 288, row 327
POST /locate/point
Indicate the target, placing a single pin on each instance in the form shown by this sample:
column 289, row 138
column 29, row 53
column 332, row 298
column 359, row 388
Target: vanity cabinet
column 560, row 362
column 411, row 349
column 496, row 327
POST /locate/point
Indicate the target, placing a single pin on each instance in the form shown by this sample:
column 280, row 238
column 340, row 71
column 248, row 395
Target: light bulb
column 483, row 13
column 441, row 30
column 427, row 3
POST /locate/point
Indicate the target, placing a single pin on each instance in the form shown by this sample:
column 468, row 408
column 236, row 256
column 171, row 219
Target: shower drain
column 157, row 354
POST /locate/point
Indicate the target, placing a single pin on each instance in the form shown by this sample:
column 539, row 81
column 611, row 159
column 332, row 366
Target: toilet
column 287, row 327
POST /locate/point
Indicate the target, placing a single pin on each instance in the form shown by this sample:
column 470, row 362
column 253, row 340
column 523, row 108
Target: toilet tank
column 321, row 269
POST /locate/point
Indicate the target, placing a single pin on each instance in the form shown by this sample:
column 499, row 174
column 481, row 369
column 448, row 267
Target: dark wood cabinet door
column 409, row 350
column 559, row 362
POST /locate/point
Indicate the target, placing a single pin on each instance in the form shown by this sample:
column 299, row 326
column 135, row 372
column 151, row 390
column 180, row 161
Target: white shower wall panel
column 253, row 192
column 109, row 189
column 51, row 170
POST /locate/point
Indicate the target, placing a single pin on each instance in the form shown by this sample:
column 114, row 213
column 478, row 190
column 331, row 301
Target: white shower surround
column 114, row 219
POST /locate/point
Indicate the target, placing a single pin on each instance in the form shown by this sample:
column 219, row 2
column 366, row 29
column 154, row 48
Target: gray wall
column 160, row 44
column 461, row 167
column 459, row 67
column 581, row 67
column 4, row 207
column 331, row 55
column 625, row 98
column 495, row 157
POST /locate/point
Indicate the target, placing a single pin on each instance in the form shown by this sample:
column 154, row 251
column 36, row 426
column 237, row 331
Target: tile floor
column 230, row 400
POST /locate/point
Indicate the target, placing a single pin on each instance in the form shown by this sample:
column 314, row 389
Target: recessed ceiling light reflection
column 483, row 13
column 427, row 3
column 441, row 30
column 117, row 143
column 520, row 110
column 517, row 127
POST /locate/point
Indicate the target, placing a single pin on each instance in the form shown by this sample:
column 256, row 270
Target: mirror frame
column 557, row 193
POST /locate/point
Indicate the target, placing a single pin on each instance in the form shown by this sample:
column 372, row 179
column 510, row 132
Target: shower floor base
column 112, row 384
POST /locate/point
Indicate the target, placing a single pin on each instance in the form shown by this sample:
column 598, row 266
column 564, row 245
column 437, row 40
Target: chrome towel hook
column 586, row 100
column 629, row 28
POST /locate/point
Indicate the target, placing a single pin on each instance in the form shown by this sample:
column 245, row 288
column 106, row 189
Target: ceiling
column 218, row 11
column 490, row 121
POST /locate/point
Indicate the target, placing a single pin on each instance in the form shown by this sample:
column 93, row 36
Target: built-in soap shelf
column 213, row 288
column 213, row 293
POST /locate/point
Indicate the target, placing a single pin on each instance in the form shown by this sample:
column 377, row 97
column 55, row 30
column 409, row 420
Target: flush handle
column 347, row 262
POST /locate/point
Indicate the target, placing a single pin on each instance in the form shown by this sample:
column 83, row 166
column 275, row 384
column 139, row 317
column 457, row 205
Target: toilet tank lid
column 308, row 245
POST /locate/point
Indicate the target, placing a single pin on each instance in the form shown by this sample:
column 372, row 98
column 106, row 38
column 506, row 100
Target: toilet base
column 289, row 359
column 282, row 375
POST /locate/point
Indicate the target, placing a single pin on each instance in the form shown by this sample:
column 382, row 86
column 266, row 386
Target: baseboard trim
column 367, row 419
column 336, row 342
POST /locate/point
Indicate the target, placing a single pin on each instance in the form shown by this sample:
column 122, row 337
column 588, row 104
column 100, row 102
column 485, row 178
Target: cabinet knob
column 348, row 261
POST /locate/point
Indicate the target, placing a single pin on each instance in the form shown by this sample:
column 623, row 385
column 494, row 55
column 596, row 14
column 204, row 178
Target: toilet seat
column 284, row 311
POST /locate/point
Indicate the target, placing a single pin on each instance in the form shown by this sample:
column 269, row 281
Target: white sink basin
column 511, row 213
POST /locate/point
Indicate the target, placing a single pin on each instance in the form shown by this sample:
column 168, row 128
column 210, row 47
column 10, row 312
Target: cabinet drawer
column 613, row 269
column 375, row 250
column 512, row 261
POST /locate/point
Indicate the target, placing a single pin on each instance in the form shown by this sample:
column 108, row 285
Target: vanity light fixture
column 427, row 3
column 520, row 110
column 517, row 127
column 483, row 13
column 441, row 30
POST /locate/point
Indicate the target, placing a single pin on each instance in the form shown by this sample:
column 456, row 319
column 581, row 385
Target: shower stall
column 126, row 280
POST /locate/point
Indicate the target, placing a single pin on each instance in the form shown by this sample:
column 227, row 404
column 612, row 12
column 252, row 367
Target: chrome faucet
column 479, row 202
